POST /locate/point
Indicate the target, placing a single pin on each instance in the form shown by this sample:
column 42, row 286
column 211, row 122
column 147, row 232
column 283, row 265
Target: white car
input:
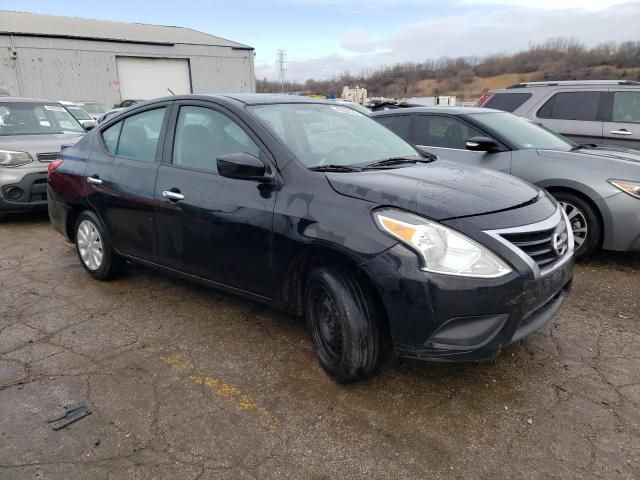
column 80, row 114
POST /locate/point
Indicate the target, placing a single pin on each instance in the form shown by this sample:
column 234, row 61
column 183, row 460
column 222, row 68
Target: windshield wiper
column 583, row 146
column 335, row 168
column 388, row 162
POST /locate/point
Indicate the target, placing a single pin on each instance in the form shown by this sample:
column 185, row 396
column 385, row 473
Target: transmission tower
column 281, row 63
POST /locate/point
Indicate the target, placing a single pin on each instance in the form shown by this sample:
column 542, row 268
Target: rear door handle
column 94, row 179
column 172, row 195
column 622, row 131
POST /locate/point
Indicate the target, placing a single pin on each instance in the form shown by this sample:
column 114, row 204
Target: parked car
column 598, row 187
column 362, row 109
column 587, row 111
column 80, row 114
column 315, row 208
column 95, row 109
column 32, row 133
column 378, row 106
column 109, row 114
column 127, row 103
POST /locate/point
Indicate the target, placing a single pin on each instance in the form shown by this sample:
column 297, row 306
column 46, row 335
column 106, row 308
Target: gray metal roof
column 35, row 24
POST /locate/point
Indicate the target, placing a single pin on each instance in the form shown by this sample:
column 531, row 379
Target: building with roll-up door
column 68, row 58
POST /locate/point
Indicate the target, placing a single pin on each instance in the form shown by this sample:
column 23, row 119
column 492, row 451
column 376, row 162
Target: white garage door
column 146, row 78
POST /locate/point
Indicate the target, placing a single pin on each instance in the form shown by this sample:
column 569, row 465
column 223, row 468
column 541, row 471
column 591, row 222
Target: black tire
column 111, row 264
column 586, row 215
column 347, row 340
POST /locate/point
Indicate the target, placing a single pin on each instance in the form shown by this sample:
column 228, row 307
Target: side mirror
column 242, row 166
column 88, row 124
column 481, row 144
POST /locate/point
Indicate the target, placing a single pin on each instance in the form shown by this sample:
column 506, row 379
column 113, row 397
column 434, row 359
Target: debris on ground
column 72, row 413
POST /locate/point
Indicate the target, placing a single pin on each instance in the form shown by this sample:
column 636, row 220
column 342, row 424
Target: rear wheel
column 94, row 248
column 585, row 223
column 342, row 320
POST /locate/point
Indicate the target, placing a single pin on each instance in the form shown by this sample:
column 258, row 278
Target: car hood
column 605, row 152
column 440, row 190
column 35, row 144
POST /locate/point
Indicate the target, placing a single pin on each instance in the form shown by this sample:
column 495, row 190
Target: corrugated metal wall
column 73, row 69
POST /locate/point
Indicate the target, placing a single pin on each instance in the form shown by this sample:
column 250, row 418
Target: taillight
column 54, row 165
column 484, row 99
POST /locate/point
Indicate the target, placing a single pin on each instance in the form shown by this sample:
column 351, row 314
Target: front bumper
column 621, row 216
column 448, row 318
column 20, row 191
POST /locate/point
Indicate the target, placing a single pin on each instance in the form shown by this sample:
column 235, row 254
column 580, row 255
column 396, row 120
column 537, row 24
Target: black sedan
column 317, row 209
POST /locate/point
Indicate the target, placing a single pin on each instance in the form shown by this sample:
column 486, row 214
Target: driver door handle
column 622, row 131
column 171, row 195
column 94, row 179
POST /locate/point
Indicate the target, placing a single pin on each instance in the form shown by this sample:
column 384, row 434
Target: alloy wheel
column 578, row 222
column 90, row 245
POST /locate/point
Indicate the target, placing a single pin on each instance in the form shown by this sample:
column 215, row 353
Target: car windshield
column 78, row 112
column 523, row 133
column 34, row 118
column 97, row 108
column 323, row 134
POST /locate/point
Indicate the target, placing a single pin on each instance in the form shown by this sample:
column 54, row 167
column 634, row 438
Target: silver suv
column 587, row 111
column 32, row 132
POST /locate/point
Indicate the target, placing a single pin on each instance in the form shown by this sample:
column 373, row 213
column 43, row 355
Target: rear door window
column 139, row 135
column 626, row 107
column 399, row 124
column 583, row 106
column 444, row 132
column 507, row 102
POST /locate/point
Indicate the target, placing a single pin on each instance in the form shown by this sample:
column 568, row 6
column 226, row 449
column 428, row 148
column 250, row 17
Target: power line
column 281, row 63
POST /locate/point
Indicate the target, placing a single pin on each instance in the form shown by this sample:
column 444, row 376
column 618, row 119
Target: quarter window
column 582, row 106
column 111, row 136
column 400, row 124
column 626, row 107
column 203, row 135
column 139, row 135
column 507, row 102
column 445, row 132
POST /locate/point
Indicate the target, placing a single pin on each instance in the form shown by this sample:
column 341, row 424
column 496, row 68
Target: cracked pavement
column 185, row 382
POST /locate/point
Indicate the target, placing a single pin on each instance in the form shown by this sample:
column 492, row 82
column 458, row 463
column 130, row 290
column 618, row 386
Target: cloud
column 357, row 40
column 501, row 29
column 591, row 5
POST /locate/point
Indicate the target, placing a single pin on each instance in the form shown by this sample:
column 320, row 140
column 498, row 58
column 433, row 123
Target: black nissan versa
column 321, row 211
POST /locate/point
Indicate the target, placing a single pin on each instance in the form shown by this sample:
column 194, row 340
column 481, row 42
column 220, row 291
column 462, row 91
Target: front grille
column 47, row 157
column 541, row 245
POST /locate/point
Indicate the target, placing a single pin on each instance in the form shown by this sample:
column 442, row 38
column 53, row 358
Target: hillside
column 469, row 77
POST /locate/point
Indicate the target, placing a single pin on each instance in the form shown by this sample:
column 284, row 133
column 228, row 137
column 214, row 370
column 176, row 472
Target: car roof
column 447, row 110
column 26, row 100
column 269, row 98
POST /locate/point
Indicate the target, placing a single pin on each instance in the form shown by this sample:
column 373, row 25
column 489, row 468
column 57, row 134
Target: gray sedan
column 599, row 187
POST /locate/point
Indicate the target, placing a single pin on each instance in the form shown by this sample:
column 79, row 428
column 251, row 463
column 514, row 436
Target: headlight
column 632, row 188
column 441, row 249
column 14, row 159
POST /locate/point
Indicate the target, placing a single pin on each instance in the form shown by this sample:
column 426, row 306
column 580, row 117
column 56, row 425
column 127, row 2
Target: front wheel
column 585, row 223
column 94, row 247
column 342, row 320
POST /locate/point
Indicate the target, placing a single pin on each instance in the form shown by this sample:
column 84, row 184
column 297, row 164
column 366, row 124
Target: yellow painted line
column 230, row 393
column 178, row 362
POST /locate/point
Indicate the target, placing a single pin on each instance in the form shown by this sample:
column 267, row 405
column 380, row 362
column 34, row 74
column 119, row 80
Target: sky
column 325, row 38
